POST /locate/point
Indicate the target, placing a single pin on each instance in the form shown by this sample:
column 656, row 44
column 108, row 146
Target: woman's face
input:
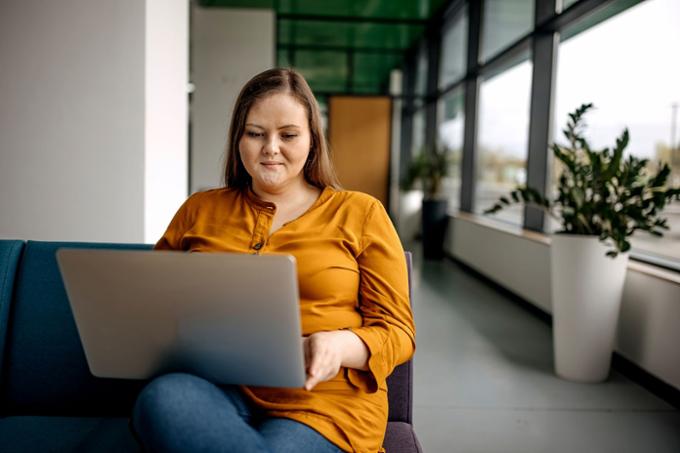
column 275, row 143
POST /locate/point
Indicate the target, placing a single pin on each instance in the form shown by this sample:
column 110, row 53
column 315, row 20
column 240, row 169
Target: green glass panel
column 390, row 9
column 348, row 34
column 372, row 72
column 321, row 49
column 308, row 33
column 386, row 36
column 238, row 3
column 282, row 59
column 395, row 9
column 325, row 70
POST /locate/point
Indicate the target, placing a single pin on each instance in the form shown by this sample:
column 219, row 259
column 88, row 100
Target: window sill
column 633, row 264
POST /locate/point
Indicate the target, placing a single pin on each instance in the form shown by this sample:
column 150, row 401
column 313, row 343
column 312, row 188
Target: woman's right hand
column 326, row 352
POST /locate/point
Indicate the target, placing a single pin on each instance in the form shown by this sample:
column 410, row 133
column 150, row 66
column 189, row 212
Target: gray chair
column 400, row 437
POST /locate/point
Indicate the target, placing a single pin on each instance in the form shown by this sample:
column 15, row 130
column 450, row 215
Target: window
column 567, row 3
column 327, row 68
column 450, row 135
column 420, row 87
column 632, row 78
column 418, row 137
column 502, row 140
column 503, row 22
column 453, row 59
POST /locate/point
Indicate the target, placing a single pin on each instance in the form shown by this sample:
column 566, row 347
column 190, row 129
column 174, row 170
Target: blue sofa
column 49, row 401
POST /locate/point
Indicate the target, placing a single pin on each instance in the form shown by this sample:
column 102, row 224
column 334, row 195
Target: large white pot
column 586, row 295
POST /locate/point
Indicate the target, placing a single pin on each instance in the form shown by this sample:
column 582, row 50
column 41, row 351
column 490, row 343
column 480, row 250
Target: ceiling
column 344, row 46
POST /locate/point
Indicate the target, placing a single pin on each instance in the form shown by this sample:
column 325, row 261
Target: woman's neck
column 293, row 195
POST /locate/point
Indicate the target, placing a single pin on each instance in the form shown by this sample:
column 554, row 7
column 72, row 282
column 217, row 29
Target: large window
column 418, row 143
column 567, row 3
column 503, row 22
column 454, row 49
column 633, row 78
column 420, row 86
column 502, row 141
column 450, row 136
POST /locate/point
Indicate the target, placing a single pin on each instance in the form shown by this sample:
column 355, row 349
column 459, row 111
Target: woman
column 282, row 197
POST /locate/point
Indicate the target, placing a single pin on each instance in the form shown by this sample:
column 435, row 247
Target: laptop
column 230, row 318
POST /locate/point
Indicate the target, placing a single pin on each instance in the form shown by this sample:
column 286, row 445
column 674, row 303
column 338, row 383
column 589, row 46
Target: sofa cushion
column 10, row 251
column 400, row 438
column 45, row 371
column 66, row 434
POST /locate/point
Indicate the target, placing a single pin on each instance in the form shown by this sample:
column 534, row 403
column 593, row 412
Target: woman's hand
column 326, row 352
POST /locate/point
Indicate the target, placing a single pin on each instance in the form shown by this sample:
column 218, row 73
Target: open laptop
column 230, row 318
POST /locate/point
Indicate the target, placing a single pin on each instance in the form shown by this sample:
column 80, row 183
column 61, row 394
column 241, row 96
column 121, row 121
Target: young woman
column 281, row 196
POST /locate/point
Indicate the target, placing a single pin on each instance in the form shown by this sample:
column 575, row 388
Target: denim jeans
column 184, row 413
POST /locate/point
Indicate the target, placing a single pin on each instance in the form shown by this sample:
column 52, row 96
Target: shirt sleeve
column 388, row 329
column 180, row 224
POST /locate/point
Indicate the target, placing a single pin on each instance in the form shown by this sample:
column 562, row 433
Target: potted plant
column 428, row 169
column 603, row 198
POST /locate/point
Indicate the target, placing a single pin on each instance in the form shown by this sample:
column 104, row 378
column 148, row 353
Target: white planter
column 586, row 296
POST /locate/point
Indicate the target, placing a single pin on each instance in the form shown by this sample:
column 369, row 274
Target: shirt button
column 258, row 246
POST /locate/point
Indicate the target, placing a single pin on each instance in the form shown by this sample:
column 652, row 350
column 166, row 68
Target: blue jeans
column 184, row 413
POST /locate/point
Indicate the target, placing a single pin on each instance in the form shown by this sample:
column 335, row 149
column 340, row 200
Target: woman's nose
column 271, row 146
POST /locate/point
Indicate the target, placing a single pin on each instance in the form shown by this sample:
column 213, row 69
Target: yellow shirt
column 351, row 275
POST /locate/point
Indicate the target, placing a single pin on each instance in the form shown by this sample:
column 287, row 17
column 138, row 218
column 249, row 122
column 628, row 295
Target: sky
column 627, row 66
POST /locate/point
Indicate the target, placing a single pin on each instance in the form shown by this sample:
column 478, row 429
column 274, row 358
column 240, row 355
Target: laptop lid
column 230, row 318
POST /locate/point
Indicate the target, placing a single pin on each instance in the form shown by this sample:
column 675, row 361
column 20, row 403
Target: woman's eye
column 289, row 136
column 253, row 134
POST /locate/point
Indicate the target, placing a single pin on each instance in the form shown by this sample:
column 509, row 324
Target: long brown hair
column 318, row 170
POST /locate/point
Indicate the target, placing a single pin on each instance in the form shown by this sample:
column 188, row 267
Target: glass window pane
column 450, row 134
column 372, row 71
column 418, row 139
column 453, row 62
column 632, row 79
column 567, row 3
column 503, row 22
column 502, row 140
column 420, row 87
column 325, row 70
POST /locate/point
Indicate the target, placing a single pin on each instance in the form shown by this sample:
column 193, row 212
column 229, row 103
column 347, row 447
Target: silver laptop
column 230, row 318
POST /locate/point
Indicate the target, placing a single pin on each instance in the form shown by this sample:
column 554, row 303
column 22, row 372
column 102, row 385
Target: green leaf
column 600, row 192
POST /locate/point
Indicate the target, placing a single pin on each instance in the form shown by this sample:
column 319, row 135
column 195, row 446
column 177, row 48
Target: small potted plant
column 428, row 169
column 603, row 198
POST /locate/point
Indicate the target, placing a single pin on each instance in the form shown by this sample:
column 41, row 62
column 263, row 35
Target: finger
column 311, row 382
column 324, row 370
column 307, row 353
column 316, row 358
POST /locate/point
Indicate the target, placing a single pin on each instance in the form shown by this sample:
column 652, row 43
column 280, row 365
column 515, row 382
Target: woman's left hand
column 326, row 352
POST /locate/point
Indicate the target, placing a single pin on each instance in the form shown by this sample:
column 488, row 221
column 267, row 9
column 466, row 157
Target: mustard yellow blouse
column 351, row 275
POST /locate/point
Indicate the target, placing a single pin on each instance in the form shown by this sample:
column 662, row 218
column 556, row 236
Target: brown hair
column 318, row 170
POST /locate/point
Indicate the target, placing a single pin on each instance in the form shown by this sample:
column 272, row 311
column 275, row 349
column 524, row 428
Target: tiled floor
column 484, row 381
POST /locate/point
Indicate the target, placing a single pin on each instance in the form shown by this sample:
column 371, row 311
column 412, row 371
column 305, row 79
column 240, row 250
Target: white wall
column 229, row 46
column 73, row 112
column 648, row 333
column 166, row 177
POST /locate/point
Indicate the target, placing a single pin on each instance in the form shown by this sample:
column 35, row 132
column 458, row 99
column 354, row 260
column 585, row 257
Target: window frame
column 550, row 19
